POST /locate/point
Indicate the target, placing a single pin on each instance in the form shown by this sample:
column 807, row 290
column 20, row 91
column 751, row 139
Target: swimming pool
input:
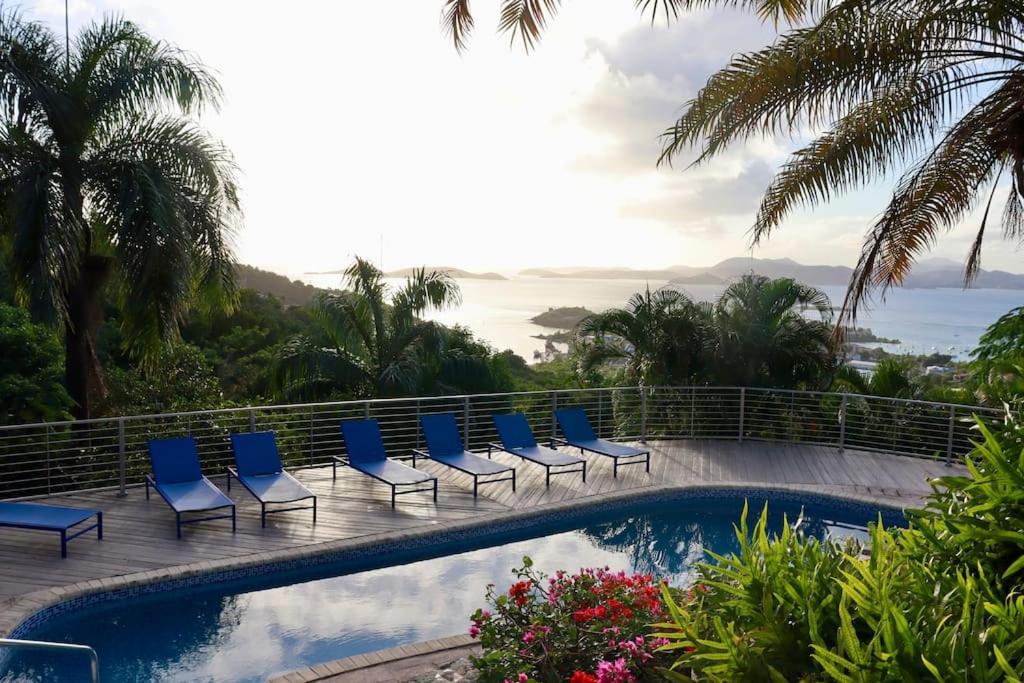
column 249, row 629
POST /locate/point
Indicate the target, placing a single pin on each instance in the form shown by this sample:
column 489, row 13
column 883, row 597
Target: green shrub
column 941, row 600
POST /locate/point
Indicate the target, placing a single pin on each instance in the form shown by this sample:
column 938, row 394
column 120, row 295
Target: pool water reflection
column 240, row 632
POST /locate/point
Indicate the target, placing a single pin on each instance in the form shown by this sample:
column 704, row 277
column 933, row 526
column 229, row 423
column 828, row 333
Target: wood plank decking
column 139, row 534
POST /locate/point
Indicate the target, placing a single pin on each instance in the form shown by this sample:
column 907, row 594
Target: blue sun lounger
column 579, row 434
column 366, row 454
column 517, row 439
column 179, row 481
column 258, row 468
column 445, row 446
column 51, row 518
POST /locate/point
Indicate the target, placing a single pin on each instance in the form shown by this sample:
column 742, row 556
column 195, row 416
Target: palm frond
column 526, row 19
column 934, row 196
column 457, row 22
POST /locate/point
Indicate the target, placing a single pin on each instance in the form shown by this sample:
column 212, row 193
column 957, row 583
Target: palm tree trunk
column 83, row 374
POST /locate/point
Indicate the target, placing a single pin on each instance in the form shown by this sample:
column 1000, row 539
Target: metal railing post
column 465, row 422
column 252, row 419
column 643, row 414
column 122, row 460
column 842, row 424
column 743, row 408
column 48, row 475
column 366, row 410
column 693, row 412
column 949, row 436
column 416, row 427
column 554, row 407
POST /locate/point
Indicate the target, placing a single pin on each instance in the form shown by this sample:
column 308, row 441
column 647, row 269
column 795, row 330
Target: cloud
column 651, row 72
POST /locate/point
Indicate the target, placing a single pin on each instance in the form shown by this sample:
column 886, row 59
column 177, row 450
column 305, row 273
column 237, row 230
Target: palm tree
column 372, row 342
column 892, row 378
column 660, row 337
column 929, row 90
column 764, row 338
column 105, row 181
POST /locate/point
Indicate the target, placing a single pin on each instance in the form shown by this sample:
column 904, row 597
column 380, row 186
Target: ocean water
column 924, row 320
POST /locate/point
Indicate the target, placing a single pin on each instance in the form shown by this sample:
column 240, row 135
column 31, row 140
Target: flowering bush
column 588, row 627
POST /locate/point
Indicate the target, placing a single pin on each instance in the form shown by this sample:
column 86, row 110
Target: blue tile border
column 387, row 549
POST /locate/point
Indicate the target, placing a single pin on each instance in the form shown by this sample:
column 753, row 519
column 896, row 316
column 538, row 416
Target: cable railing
column 104, row 453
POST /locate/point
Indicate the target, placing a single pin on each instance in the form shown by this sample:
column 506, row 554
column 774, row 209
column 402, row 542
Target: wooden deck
column 139, row 534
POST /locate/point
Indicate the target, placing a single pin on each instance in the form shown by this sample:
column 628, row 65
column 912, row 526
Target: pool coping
column 369, row 661
column 29, row 610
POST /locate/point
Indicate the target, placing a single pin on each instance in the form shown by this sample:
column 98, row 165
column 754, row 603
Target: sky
column 358, row 130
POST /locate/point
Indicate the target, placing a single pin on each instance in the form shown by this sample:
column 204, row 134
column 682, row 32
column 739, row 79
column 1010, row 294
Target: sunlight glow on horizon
column 352, row 125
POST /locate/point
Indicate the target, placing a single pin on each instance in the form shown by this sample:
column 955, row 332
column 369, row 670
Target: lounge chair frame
column 179, row 522
column 641, row 458
column 64, row 535
column 338, row 460
column 568, row 468
column 264, row 510
column 477, row 482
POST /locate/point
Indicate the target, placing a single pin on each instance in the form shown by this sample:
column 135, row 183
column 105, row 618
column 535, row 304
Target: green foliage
column 764, row 339
column 892, row 377
column 371, row 342
column 754, row 335
column 105, row 180
column 180, row 379
column 241, row 345
column 940, row 600
column 31, row 371
column 659, row 338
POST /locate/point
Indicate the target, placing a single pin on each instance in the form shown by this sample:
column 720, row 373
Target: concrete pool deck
column 139, row 545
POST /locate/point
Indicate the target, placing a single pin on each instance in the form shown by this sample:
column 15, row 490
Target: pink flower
column 614, row 672
column 528, row 637
column 523, row 678
column 474, row 631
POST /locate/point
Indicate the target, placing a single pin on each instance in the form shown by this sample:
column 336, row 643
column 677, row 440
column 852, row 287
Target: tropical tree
column 660, row 337
column 892, row 377
column 930, row 90
column 371, row 341
column 30, row 370
column 106, row 183
column 764, row 338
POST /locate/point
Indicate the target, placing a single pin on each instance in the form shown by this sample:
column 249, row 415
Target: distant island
column 456, row 273
column 564, row 318
column 933, row 273
column 864, row 335
column 700, row 279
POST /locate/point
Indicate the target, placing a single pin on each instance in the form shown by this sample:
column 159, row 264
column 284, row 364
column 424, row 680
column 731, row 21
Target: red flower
column 582, row 677
column 519, row 591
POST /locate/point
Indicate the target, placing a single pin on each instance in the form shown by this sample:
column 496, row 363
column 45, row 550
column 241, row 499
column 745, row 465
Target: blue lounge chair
column 258, row 468
column 51, row 518
column 179, row 481
column 366, row 454
column 517, row 438
column 579, row 434
column 445, row 446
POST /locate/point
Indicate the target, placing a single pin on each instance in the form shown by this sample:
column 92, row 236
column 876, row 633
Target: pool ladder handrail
column 94, row 660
